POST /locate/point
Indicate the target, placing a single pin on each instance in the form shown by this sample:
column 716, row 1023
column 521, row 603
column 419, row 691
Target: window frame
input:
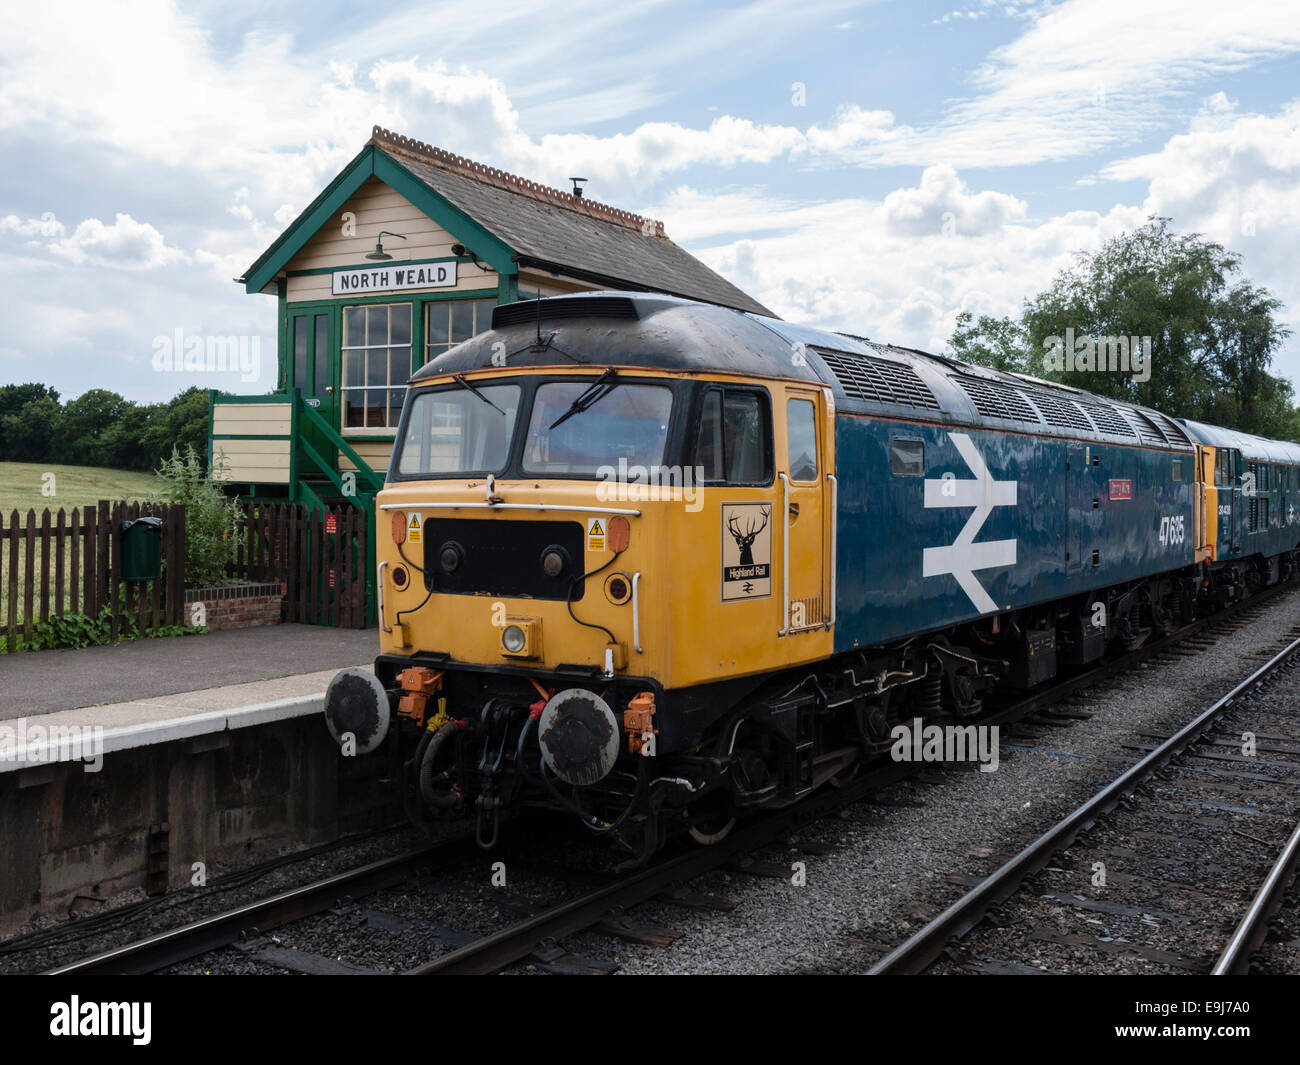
column 675, row 450
column 626, row 382
column 817, row 431
column 388, row 429
column 479, row 305
column 408, row 412
column 769, row 444
column 893, row 440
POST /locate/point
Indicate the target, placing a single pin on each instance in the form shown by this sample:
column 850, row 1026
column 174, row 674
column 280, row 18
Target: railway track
column 536, row 935
column 1172, row 828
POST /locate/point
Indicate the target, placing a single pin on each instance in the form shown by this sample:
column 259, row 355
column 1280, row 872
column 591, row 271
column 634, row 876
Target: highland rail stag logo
column 746, row 550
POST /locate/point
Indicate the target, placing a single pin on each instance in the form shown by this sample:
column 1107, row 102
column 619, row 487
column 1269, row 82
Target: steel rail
column 919, row 951
column 1250, row 932
column 516, row 942
column 221, row 929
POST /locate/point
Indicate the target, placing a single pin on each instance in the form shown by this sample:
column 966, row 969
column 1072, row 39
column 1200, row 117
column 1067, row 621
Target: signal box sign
column 1121, row 489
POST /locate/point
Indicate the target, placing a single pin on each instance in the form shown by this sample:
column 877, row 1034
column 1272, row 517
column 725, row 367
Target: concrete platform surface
column 43, row 682
column 92, row 731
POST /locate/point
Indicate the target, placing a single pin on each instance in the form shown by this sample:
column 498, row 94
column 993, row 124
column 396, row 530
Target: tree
column 28, row 431
column 1211, row 335
column 12, row 400
column 86, row 419
column 998, row 343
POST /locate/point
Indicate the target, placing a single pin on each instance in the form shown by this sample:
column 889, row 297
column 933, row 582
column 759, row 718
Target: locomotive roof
column 665, row 332
column 1256, row 448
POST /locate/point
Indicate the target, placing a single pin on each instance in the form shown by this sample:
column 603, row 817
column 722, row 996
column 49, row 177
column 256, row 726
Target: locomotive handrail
column 511, row 506
column 379, row 592
column 636, row 612
column 835, row 535
column 785, row 553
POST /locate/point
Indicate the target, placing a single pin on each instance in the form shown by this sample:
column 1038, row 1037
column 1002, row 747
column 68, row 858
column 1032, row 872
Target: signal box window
column 448, row 322
column 801, row 434
column 907, row 458
column 376, row 364
column 734, row 445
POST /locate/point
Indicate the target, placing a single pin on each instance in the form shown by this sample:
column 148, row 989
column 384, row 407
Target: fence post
column 29, row 573
column 13, row 582
column 176, row 566
column 102, row 537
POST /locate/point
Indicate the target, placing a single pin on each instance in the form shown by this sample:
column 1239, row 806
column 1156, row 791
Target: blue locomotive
column 659, row 562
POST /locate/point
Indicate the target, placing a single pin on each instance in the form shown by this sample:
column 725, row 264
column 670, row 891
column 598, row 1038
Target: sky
column 870, row 167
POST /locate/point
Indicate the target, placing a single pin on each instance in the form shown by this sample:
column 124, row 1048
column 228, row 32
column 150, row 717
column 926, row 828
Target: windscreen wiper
column 466, row 385
column 593, row 395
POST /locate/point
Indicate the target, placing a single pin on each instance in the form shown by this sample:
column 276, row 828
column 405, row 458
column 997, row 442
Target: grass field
column 74, row 486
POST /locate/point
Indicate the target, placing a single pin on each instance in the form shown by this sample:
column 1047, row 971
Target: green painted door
column 315, row 373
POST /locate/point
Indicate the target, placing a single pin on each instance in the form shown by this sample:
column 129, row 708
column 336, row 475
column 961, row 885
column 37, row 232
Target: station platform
column 155, row 691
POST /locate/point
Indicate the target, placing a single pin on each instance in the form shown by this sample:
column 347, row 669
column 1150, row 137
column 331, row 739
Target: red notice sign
column 1121, row 489
column 332, row 521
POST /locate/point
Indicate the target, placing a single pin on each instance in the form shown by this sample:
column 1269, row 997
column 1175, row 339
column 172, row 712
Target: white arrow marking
column 964, row 556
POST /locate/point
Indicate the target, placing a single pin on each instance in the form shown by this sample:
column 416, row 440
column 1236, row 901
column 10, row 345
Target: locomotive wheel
column 712, row 823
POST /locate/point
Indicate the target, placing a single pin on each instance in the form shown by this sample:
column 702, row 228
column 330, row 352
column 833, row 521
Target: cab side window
column 801, row 436
column 1222, row 477
column 735, row 441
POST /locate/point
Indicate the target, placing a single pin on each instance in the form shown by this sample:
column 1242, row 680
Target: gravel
column 890, row 874
column 890, row 871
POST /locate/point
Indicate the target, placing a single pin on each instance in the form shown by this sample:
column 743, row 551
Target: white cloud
column 45, row 226
column 125, row 245
column 889, row 268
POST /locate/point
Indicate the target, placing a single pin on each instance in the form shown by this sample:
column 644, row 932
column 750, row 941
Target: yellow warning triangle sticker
column 595, row 529
column 415, row 521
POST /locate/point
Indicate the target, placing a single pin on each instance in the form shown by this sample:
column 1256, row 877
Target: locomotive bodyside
column 657, row 563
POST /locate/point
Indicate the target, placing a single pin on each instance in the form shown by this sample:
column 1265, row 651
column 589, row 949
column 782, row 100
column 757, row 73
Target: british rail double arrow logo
column 964, row 556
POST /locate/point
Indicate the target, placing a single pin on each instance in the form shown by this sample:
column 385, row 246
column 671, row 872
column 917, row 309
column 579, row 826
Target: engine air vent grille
column 1148, row 431
column 1060, row 412
column 548, row 310
column 1108, row 420
column 1172, row 430
column 878, row 380
column 995, row 400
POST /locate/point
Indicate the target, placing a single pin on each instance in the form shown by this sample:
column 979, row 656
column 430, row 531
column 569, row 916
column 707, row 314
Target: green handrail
column 373, row 482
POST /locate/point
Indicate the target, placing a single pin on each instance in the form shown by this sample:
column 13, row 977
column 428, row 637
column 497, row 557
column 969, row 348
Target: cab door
column 1227, row 479
column 803, row 463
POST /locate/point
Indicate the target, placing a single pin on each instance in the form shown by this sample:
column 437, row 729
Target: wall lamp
column 379, row 252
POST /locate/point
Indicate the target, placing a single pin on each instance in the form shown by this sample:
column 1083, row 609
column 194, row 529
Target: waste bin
column 140, row 549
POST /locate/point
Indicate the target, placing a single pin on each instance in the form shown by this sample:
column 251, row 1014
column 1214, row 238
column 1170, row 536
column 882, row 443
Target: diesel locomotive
column 659, row 563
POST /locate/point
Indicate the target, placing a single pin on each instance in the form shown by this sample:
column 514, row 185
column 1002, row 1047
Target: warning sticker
column 595, row 534
column 413, row 529
column 746, row 550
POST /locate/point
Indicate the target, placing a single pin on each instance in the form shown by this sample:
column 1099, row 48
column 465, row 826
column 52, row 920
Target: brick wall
column 235, row 606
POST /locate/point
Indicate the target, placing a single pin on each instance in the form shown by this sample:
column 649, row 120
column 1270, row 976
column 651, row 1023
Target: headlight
column 450, row 556
column 512, row 639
